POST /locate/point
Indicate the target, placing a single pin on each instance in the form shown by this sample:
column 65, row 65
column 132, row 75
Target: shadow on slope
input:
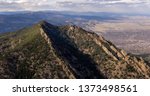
column 80, row 64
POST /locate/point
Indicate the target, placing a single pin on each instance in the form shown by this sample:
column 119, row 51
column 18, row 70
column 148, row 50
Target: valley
column 131, row 34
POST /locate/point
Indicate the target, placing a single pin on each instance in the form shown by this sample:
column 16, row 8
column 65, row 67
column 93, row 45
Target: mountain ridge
column 67, row 52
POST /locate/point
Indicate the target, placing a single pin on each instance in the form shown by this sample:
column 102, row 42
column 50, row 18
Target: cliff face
column 47, row 51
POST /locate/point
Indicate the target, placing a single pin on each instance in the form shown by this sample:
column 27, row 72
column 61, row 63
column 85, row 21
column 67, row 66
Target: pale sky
column 124, row 6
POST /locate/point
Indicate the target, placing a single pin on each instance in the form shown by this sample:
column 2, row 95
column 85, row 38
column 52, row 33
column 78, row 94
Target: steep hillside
column 146, row 58
column 48, row 51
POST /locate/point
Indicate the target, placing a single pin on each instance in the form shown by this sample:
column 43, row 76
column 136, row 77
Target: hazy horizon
column 114, row 6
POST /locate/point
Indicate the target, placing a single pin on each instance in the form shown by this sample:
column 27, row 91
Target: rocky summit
column 65, row 52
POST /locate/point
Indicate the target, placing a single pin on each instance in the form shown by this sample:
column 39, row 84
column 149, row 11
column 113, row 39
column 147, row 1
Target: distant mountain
column 12, row 21
column 47, row 51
